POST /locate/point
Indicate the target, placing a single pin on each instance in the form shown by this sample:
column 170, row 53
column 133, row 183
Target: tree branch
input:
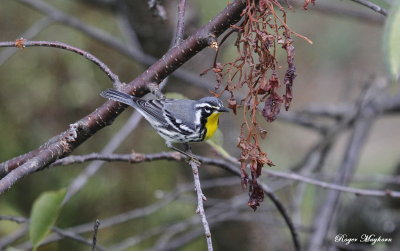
column 221, row 163
column 135, row 158
column 35, row 29
column 200, row 206
column 364, row 119
column 80, row 131
column 180, row 26
column 23, row 43
column 135, row 118
column 107, row 39
column 372, row 6
column 94, row 239
column 64, row 233
column 110, row 147
column 334, row 8
column 139, row 212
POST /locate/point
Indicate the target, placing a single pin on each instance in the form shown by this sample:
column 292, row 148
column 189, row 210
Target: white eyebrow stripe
column 203, row 105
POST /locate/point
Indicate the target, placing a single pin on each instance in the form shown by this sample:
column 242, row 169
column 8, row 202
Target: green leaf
column 391, row 41
column 44, row 214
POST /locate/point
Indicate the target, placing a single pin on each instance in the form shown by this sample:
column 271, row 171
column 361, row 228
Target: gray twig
column 35, row 29
column 174, row 156
column 107, row 39
column 134, row 214
column 364, row 119
column 200, row 206
column 95, row 228
column 23, row 43
column 372, row 6
column 180, row 25
column 110, row 147
column 64, row 233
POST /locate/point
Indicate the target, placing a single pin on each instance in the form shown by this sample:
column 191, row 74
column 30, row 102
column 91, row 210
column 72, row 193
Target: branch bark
column 372, row 6
column 79, row 132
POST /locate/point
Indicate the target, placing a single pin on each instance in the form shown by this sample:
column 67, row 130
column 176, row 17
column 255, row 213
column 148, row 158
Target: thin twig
column 332, row 186
column 325, row 217
column 285, row 214
column 23, row 43
column 201, row 196
column 218, row 213
column 364, row 119
column 200, row 206
column 13, row 237
column 133, row 52
column 64, row 143
column 139, row 212
column 334, row 8
column 64, row 233
column 76, row 237
column 35, row 29
column 110, row 147
column 180, row 25
column 95, row 228
column 174, row 156
column 130, row 125
column 372, row 6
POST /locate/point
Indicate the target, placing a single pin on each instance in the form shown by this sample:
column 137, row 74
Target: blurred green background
column 43, row 90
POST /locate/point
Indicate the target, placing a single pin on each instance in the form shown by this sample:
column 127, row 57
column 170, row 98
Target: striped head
column 207, row 113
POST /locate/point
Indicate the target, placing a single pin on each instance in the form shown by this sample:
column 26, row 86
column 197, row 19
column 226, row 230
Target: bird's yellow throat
column 212, row 125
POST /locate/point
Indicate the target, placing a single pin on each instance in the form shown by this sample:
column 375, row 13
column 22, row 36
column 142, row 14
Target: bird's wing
column 181, row 115
column 171, row 114
column 152, row 110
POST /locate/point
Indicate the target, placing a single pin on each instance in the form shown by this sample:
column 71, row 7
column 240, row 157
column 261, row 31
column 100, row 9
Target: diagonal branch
column 80, row 131
column 23, row 43
column 101, row 36
column 135, row 118
column 364, row 118
column 372, row 6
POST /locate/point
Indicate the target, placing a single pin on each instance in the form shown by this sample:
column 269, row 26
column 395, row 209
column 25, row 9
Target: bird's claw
column 193, row 159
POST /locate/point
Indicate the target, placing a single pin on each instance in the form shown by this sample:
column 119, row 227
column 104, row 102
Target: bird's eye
column 207, row 110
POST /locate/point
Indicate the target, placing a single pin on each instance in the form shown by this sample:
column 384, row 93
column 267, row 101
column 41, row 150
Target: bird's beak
column 223, row 109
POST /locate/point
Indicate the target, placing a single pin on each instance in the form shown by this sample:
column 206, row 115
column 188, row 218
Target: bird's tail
column 119, row 96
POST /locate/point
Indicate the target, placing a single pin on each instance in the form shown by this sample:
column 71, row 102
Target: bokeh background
column 43, row 90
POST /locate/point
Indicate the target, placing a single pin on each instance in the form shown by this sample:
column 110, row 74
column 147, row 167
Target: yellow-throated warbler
column 176, row 120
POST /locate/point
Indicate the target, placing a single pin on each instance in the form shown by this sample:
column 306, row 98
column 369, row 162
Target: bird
column 176, row 120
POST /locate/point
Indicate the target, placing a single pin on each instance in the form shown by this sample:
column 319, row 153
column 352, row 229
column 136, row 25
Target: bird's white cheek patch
column 198, row 116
